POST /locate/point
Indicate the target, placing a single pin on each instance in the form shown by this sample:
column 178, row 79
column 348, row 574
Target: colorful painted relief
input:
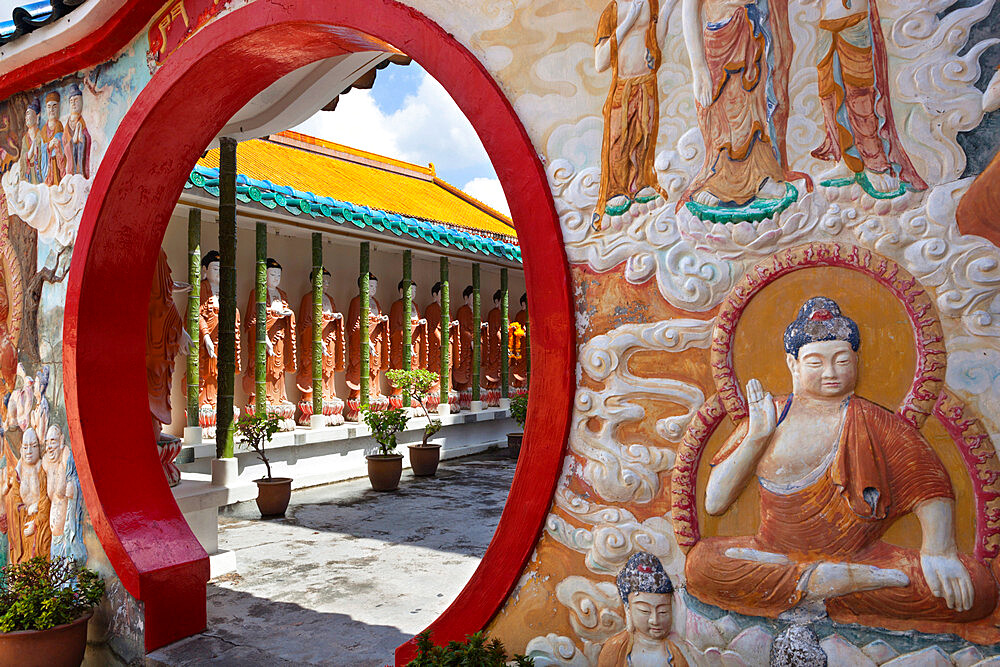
column 824, row 489
column 178, row 20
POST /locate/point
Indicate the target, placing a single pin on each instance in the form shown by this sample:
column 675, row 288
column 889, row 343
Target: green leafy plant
column 385, row 424
column 41, row 594
column 257, row 430
column 519, row 409
column 416, row 384
column 477, row 649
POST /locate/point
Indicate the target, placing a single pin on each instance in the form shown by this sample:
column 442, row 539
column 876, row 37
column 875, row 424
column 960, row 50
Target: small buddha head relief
column 273, row 272
column 75, row 100
column 30, row 447
column 821, row 347
column 52, row 102
column 646, row 592
column 53, row 442
column 32, row 112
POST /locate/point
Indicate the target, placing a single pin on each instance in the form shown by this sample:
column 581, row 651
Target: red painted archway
column 186, row 103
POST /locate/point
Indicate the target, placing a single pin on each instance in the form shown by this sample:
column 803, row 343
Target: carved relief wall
column 716, row 167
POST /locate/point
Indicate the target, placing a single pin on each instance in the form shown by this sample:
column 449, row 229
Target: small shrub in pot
column 416, row 384
column 273, row 493
column 385, row 465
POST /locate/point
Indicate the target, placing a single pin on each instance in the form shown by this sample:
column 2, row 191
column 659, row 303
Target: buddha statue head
column 413, row 289
column 497, row 298
column 436, row 292
column 524, row 300
column 31, row 451
column 273, row 273
column 372, row 284
column 646, row 592
column 210, row 268
column 821, row 350
column 75, row 100
column 467, row 295
column 52, row 103
column 326, row 278
column 54, row 443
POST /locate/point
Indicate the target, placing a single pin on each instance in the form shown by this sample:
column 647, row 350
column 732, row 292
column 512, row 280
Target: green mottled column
column 227, row 297
column 407, row 309
column 260, row 334
column 194, row 306
column 504, row 326
column 364, row 334
column 317, row 341
column 445, row 333
column 477, row 333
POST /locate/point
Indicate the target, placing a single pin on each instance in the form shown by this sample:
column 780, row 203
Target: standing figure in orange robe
column 740, row 53
column 208, row 344
column 461, row 373
column 834, row 472
column 418, row 339
column 433, row 315
column 165, row 339
column 518, row 350
column 280, row 343
column 332, row 341
column 26, row 501
column 492, row 348
column 378, row 350
column 853, row 78
column 56, row 151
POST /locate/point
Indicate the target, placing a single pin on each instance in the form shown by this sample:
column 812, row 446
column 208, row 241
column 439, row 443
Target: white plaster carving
column 553, row 649
column 55, row 211
column 593, row 606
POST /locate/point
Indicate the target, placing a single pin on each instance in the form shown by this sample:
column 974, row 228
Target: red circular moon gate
column 187, row 102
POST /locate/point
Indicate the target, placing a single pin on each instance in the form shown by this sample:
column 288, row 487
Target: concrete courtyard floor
column 349, row 574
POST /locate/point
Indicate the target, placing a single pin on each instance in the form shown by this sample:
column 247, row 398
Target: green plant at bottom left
column 40, row 594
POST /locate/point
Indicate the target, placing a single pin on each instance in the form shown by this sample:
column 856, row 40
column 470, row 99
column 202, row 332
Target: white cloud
column 428, row 127
column 488, row 191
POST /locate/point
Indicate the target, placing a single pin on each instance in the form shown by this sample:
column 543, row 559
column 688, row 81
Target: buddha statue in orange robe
column 208, row 344
column 491, row 344
column 378, row 337
column 518, row 350
column 280, row 343
column 647, row 593
column 418, row 339
column 332, row 342
column 834, row 472
column 434, row 324
column 461, row 372
column 165, row 339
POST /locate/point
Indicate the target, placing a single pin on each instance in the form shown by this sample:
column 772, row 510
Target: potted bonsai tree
column 519, row 412
column 273, row 493
column 44, row 609
column 385, row 464
column 416, row 384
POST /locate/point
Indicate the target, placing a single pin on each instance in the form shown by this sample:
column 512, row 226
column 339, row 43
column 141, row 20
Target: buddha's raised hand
column 763, row 418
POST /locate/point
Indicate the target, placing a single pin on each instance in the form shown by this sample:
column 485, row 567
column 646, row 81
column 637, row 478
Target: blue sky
column 409, row 116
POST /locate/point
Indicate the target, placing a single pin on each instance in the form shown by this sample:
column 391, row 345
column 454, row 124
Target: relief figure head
column 821, row 350
column 646, row 592
column 30, row 447
column 273, row 273
column 54, row 443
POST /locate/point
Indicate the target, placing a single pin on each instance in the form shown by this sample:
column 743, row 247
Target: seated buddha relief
column 834, row 472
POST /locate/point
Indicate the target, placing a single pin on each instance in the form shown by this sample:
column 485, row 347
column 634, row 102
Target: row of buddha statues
column 289, row 348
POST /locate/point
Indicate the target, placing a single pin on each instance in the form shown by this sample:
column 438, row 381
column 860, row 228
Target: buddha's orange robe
column 418, row 338
column 332, row 334
column 830, row 520
column 461, row 372
column 492, row 347
column 281, row 331
column 378, row 335
column 616, row 650
column 164, row 332
column 208, row 325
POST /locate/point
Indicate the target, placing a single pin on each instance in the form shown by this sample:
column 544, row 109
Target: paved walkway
column 349, row 574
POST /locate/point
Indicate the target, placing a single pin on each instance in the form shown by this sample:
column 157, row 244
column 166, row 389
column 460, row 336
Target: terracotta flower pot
column 384, row 471
column 514, row 444
column 61, row 646
column 273, row 495
column 424, row 459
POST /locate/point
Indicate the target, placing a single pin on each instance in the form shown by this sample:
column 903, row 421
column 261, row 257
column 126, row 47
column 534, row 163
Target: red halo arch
column 186, row 103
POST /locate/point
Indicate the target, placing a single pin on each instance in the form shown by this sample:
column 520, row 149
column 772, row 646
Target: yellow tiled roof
column 351, row 175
